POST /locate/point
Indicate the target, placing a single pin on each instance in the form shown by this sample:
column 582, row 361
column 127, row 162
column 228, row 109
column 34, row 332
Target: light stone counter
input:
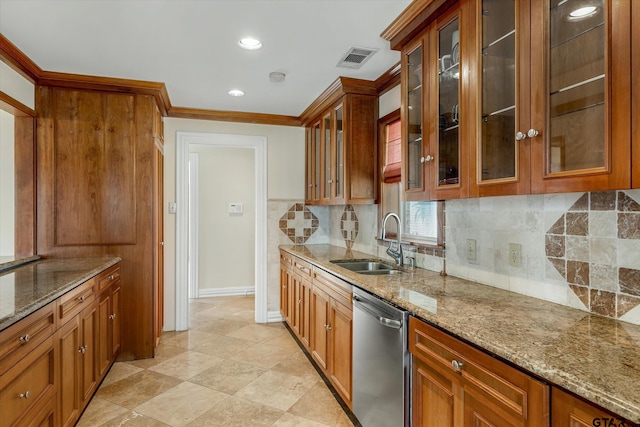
column 594, row 357
column 29, row 287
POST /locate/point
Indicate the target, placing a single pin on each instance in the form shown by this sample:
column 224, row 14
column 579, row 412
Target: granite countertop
column 27, row 288
column 594, row 357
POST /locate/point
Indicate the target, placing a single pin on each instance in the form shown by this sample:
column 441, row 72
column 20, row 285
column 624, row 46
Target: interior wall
column 7, row 185
column 16, row 86
column 225, row 240
column 285, row 174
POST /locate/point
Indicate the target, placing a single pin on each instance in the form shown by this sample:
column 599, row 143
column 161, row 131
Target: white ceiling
column 191, row 45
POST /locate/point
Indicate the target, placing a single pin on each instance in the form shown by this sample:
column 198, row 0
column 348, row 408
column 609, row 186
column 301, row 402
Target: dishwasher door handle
column 385, row 321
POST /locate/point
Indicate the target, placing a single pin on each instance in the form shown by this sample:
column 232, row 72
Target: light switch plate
column 471, row 249
column 173, row 207
column 515, row 255
column 235, row 208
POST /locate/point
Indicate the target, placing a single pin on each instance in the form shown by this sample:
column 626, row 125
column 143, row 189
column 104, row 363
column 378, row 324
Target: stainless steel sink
column 368, row 267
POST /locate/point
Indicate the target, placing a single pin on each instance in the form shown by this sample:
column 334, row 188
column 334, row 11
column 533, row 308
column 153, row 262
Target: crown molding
column 16, row 59
column 234, row 116
column 80, row 81
column 412, row 20
column 388, row 79
column 15, row 107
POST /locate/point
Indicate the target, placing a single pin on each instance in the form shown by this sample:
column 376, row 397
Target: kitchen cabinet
column 27, row 389
column 341, row 160
column 456, row 384
column 533, row 100
column 99, row 184
column 108, row 319
column 321, row 317
column 570, row 411
column 332, row 320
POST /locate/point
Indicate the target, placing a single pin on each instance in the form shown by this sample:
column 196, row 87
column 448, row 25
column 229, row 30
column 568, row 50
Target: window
column 421, row 221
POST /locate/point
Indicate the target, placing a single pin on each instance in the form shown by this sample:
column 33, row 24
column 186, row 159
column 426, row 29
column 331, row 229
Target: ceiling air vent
column 355, row 57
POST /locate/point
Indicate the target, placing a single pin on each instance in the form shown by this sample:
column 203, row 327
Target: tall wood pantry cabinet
column 515, row 97
column 99, row 192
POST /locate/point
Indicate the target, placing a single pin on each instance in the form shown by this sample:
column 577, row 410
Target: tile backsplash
column 578, row 249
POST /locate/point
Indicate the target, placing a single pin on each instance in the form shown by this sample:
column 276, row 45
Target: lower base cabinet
column 570, row 411
column 455, row 384
column 48, row 381
column 318, row 310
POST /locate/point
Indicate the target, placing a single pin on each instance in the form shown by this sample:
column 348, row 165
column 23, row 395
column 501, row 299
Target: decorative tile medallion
column 299, row 223
column 349, row 225
column 584, row 252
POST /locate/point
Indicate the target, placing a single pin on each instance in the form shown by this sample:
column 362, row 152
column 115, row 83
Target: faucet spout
column 396, row 253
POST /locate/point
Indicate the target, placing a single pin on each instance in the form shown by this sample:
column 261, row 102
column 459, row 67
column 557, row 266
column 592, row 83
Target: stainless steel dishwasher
column 380, row 362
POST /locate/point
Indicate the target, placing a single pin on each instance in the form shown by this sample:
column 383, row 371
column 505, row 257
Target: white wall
column 225, row 240
column 7, row 185
column 285, row 173
column 16, row 86
column 389, row 101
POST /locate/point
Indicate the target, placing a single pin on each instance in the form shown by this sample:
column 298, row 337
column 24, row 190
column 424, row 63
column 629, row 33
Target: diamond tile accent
column 298, row 223
column 349, row 225
column 576, row 248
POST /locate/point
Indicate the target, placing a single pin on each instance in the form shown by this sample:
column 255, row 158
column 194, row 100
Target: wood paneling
column 94, row 187
column 137, row 269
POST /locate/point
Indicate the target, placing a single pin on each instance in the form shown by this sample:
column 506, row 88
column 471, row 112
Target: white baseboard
column 274, row 316
column 226, row 292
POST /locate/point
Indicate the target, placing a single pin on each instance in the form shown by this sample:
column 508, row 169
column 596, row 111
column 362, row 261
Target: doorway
column 188, row 143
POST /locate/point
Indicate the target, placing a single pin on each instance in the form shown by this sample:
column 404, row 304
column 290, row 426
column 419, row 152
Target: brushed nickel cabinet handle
column 25, row 395
column 457, row 365
column 81, row 298
column 112, row 316
column 24, row 339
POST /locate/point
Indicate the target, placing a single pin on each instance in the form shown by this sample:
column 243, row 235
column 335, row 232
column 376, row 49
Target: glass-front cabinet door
column 580, row 84
column 500, row 56
column 448, row 120
column 309, row 172
column 338, row 137
column 327, row 177
column 415, row 162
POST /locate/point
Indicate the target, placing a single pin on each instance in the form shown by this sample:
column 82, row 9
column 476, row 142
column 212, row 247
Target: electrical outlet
column 515, row 255
column 471, row 249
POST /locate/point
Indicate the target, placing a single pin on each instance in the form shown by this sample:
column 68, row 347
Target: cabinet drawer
column 19, row 339
column 302, row 267
column 27, row 384
column 286, row 259
column 108, row 277
column 74, row 301
column 512, row 393
column 337, row 288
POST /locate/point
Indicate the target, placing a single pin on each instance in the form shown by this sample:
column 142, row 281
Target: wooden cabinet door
column 311, row 184
column 319, row 326
column 433, row 401
column 115, row 316
column 341, row 349
column 570, row 411
column 103, row 352
column 285, row 275
column 88, row 350
column 580, row 97
column 416, row 156
column 295, row 303
column 305, row 308
column 69, row 368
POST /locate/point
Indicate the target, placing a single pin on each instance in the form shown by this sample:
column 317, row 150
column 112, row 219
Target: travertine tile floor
column 225, row 371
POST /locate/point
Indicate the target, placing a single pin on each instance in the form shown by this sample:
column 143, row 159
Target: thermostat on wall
column 235, row 208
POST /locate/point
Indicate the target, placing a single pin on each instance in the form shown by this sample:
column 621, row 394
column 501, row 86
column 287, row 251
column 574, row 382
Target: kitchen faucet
column 397, row 253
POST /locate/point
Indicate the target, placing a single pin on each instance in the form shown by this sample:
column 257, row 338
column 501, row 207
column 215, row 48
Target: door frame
column 192, row 226
column 259, row 145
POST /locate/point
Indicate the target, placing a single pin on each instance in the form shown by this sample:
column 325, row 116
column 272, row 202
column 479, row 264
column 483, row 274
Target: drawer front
column 302, row 267
column 19, row 339
column 512, row 393
column 337, row 288
column 286, row 259
column 74, row 301
column 108, row 277
column 27, row 384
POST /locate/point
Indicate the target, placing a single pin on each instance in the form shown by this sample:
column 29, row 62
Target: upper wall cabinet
column 541, row 101
column 341, row 160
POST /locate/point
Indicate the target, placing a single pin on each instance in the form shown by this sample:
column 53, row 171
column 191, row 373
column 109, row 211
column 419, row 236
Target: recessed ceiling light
column 235, row 92
column 250, row 43
column 583, row 12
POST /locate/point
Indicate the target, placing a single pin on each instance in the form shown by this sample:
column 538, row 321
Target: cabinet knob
column 520, row 136
column 532, row 133
column 456, row 365
column 428, row 158
column 299, row 301
column 25, row 395
column 83, row 349
column 112, row 316
column 81, row 298
column 327, row 327
column 330, row 181
column 24, row 339
column 111, row 277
